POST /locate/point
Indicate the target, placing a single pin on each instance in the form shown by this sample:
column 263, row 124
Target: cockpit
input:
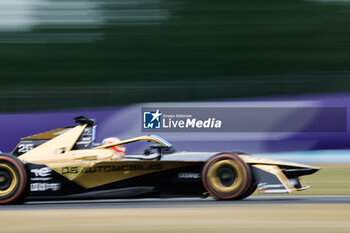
column 146, row 147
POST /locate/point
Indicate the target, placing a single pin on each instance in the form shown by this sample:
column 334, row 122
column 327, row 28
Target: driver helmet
column 118, row 150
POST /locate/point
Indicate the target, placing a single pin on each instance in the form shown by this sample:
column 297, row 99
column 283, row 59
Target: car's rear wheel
column 226, row 176
column 12, row 179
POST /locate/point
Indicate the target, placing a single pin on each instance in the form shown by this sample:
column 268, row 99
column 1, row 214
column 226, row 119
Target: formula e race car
column 66, row 164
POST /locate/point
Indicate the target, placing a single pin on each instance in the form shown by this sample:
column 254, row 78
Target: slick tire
column 13, row 179
column 227, row 177
column 250, row 190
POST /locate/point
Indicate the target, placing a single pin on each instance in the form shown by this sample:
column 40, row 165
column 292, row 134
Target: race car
column 66, row 163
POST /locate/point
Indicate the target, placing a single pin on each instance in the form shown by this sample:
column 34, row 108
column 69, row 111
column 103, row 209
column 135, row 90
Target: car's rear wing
column 85, row 140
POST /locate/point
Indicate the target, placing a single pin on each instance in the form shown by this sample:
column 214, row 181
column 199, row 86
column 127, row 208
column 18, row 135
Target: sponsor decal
column 189, row 175
column 271, row 191
column 35, row 187
column 42, row 172
column 41, row 178
column 120, row 168
column 262, row 186
column 271, row 188
column 86, row 139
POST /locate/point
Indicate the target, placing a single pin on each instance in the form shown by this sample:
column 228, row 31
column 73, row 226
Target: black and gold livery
column 65, row 163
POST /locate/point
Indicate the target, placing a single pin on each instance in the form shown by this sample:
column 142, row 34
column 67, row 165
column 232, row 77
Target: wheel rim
column 225, row 176
column 8, row 179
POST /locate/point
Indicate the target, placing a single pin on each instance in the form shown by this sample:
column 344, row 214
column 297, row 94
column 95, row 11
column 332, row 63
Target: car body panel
column 59, row 168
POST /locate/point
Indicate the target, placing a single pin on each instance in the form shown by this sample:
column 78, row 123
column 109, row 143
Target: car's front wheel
column 12, row 179
column 226, row 176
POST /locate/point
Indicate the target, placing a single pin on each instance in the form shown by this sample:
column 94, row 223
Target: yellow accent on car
column 275, row 170
column 90, row 174
column 214, row 179
column 55, row 148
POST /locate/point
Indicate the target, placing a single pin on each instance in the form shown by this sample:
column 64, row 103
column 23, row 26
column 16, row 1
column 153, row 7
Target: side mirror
column 163, row 149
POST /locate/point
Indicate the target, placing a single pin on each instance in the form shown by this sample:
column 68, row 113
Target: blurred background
column 107, row 59
column 85, row 53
